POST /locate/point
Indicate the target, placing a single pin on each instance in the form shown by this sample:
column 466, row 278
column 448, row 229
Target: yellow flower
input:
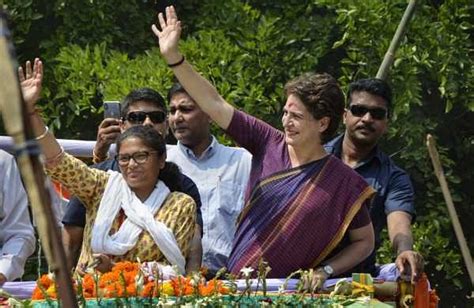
column 168, row 288
column 51, row 291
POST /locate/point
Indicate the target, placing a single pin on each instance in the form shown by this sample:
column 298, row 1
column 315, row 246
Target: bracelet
column 177, row 63
column 53, row 161
column 46, row 131
column 96, row 159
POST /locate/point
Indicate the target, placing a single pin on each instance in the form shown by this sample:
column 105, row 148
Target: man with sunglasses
column 140, row 107
column 366, row 120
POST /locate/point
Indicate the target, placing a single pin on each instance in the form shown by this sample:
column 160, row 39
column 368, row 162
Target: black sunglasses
column 360, row 111
column 138, row 117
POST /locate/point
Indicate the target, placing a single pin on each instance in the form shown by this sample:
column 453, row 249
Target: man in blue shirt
column 220, row 172
column 366, row 120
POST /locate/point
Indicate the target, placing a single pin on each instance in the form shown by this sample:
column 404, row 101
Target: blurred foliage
column 100, row 50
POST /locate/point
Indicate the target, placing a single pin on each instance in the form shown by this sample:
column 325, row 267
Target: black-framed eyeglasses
column 138, row 117
column 139, row 157
column 376, row 113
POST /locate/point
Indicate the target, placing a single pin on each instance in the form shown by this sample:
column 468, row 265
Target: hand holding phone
column 107, row 134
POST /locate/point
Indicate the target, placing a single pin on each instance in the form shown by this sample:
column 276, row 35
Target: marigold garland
column 121, row 282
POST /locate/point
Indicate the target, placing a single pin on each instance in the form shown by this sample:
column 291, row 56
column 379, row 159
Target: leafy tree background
column 100, row 50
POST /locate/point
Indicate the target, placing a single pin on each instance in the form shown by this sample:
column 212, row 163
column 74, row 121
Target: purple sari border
column 368, row 193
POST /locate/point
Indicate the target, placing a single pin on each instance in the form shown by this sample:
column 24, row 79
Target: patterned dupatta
column 295, row 218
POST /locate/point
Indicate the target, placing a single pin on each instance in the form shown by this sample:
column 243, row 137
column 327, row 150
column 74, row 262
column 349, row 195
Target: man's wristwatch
column 328, row 270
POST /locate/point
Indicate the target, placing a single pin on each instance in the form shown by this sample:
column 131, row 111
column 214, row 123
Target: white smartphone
column 112, row 109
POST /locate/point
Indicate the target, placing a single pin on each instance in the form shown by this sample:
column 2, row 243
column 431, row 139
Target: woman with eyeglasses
column 129, row 215
column 304, row 209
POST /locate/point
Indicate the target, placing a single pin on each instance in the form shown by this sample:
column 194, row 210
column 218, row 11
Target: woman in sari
column 129, row 215
column 301, row 202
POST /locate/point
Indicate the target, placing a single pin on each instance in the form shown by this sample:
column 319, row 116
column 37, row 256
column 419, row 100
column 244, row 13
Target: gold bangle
column 46, row 131
column 53, row 161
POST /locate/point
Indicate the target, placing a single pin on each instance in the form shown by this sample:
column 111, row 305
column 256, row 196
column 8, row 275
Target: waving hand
column 30, row 81
column 169, row 35
column 201, row 90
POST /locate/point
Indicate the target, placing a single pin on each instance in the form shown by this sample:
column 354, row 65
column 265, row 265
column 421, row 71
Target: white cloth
column 17, row 239
column 140, row 216
column 221, row 174
column 166, row 272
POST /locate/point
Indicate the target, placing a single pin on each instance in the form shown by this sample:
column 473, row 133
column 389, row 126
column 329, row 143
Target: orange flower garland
column 121, row 282
column 211, row 288
column 44, row 284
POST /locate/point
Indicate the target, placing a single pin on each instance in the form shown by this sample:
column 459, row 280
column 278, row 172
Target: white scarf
column 140, row 216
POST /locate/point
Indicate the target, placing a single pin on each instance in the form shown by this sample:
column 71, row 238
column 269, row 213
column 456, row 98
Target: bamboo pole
column 438, row 169
column 27, row 153
column 397, row 38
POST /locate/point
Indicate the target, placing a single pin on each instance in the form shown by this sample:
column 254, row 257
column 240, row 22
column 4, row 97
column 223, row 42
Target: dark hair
column 322, row 96
column 143, row 94
column 170, row 174
column 175, row 88
column 373, row 86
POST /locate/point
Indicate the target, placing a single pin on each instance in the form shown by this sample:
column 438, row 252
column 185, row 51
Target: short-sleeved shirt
column 270, row 153
column 392, row 184
column 75, row 214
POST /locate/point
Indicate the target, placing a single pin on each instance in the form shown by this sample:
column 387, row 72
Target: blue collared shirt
column 393, row 185
column 221, row 174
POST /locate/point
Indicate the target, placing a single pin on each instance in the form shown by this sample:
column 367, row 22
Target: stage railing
column 78, row 148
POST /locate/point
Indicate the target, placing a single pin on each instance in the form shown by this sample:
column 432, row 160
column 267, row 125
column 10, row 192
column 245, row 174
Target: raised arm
column 55, row 161
column 201, row 90
column 31, row 81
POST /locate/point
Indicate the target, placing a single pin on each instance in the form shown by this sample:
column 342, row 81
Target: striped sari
column 295, row 218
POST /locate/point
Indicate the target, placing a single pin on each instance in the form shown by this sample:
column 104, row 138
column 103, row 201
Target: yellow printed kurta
column 178, row 211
